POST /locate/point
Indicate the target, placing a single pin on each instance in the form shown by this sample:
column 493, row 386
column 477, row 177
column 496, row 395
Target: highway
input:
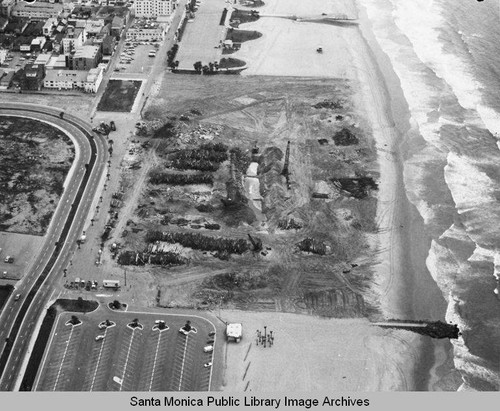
column 38, row 284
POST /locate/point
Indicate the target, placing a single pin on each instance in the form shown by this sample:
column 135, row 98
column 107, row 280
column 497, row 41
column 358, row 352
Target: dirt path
column 150, row 160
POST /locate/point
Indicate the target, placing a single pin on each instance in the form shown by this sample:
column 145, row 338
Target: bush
column 311, row 245
column 345, row 138
column 207, row 157
column 166, row 131
column 205, row 208
column 139, row 259
column 180, row 179
column 198, row 241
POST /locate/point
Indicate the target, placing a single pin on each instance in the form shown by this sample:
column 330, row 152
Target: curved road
column 37, row 285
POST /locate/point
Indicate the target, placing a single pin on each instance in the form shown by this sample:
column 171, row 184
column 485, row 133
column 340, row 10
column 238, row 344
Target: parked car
column 208, row 348
column 9, row 259
column 99, row 337
column 17, row 297
column 112, row 125
column 208, row 364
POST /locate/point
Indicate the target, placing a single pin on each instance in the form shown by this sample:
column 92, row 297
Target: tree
column 117, row 305
column 198, row 66
column 74, row 320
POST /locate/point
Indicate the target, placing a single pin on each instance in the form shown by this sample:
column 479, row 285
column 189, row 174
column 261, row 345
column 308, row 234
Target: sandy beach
column 404, row 288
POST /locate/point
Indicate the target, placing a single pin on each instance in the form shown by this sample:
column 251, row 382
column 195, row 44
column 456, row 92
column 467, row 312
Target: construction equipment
column 286, row 171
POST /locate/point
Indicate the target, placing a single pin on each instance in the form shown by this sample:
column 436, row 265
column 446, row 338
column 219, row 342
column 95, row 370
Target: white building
column 74, row 79
column 93, row 28
column 143, row 31
column 65, row 79
column 153, row 8
column 49, row 26
column 73, row 40
column 94, row 79
column 37, row 10
column 57, row 62
column 43, row 59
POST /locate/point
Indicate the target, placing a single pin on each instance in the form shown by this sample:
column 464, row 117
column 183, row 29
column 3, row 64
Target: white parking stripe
column 154, row 363
column 183, row 361
column 64, row 356
column 99, row 359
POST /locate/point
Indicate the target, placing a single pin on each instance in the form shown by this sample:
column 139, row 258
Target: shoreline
column 436, row 353
column 429, row 371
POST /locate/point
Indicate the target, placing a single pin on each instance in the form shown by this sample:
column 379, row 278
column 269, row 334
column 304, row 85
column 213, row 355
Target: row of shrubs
column 198, row 241
column 207, row 157
column 135, row 258
column 157, row 177
column 171, row 54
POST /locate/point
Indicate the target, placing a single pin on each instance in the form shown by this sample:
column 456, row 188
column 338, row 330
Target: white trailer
column 111, row 283
column 234, row 331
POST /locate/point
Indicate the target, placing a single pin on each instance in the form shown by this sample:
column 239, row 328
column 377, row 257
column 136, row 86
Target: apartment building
column 85, row 58
column 153, row 8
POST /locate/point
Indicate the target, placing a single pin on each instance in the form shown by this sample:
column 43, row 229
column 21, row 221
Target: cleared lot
column 23, row 248
column 143, row 358
column 119, row 95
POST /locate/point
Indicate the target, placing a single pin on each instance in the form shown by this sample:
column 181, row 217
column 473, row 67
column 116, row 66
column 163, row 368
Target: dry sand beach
column 358, row 356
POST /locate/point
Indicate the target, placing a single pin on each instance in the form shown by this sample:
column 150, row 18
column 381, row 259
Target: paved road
column 41, row 294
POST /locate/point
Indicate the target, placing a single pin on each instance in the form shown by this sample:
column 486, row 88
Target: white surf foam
column 420, row 20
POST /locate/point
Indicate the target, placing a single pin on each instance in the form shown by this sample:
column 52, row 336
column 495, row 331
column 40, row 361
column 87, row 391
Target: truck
column 234, row 332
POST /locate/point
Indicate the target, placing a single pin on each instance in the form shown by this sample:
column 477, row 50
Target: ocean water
column 446, row 54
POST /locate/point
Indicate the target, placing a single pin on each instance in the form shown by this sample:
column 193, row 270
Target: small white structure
column 234, row 332
column 111, row 284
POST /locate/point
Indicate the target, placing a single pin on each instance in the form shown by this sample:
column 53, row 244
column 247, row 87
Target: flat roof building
column 65, row 79
column 37, row 10
column 85, row 58
column 153, row 8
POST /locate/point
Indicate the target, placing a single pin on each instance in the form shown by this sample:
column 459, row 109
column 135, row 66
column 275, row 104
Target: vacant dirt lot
column 309, row 254
column 34, row 161
column 119, row 95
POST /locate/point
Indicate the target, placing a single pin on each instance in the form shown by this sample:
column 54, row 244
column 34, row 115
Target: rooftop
column 86, row 52
column 66, row 75
column 38, row 6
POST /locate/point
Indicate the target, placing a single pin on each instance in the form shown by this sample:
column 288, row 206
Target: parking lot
column 17, row 60
column 127, row 357
column 134, row 59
